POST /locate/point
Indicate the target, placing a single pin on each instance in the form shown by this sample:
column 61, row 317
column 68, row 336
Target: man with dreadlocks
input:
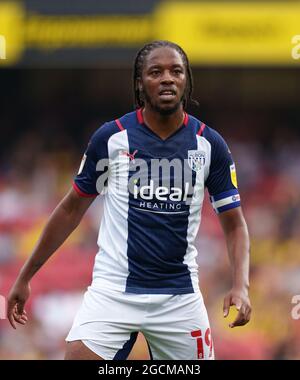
column 153, row 165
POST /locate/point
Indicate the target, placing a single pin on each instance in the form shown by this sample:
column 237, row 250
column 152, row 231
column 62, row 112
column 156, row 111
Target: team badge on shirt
column 233, row 175
column 196, row 159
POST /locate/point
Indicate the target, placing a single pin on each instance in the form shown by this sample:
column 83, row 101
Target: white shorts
column 176, row 327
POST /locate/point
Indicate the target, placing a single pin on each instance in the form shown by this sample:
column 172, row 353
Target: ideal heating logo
column 161, row 193
column 2, row 47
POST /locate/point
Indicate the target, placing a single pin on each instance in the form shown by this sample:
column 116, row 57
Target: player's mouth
column 169, row 94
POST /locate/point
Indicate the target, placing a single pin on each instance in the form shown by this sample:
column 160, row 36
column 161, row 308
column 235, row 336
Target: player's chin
column 167, row 108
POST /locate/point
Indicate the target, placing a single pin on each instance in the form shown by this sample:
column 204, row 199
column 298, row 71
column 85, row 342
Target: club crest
column 196, row 159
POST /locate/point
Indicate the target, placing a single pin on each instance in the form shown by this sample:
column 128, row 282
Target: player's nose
column 167, row 77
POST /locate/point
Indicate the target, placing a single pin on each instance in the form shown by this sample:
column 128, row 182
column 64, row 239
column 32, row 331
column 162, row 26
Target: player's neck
column 163, row 125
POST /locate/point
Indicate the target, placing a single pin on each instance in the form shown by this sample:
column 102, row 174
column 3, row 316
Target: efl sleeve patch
column 225, row 201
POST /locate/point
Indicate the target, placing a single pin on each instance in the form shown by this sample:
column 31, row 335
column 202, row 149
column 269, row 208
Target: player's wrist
column 23, row 279
column 25, row 276
column 240, row 288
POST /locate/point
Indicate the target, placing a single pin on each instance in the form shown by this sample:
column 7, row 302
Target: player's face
column 163, row 80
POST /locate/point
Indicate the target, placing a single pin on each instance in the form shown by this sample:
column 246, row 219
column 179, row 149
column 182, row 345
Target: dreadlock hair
column 139, row 64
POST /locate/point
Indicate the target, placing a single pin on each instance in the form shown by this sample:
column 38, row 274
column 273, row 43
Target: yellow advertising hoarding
column 54, row 32
column 211, row 33
column 232, row 32
column 11, row 32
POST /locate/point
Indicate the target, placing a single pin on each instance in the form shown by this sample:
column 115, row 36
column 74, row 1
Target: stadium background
column 68, row 69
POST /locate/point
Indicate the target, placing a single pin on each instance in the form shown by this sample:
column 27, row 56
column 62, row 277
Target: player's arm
column 238, row 246
column 88, row 183
column 62, row 222
column 222, row 185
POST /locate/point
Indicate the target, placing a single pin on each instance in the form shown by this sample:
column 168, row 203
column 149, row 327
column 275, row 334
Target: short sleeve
column 222, row 180
column 94, row 164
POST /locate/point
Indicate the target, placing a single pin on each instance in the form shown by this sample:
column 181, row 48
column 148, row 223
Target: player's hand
column 17, row 298
column 240, row 299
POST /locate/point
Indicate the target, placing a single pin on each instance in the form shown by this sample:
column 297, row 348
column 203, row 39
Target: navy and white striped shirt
column 154, row 190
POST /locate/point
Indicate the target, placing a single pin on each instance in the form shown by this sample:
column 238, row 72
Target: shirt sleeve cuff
column 82, row 193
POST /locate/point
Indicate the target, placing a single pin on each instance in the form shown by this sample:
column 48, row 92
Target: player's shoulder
column 105, row 131
column 207, row 132
column 213, row 136
column 109, row 128
column 130, row 119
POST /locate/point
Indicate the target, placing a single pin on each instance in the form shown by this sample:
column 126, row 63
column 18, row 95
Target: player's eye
column 178, row 71
column 155, row 72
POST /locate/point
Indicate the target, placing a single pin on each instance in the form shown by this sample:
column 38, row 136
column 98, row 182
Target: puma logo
column 130, row 155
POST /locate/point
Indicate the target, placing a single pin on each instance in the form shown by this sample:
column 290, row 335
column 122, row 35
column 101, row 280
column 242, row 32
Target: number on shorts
column 208, row 341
